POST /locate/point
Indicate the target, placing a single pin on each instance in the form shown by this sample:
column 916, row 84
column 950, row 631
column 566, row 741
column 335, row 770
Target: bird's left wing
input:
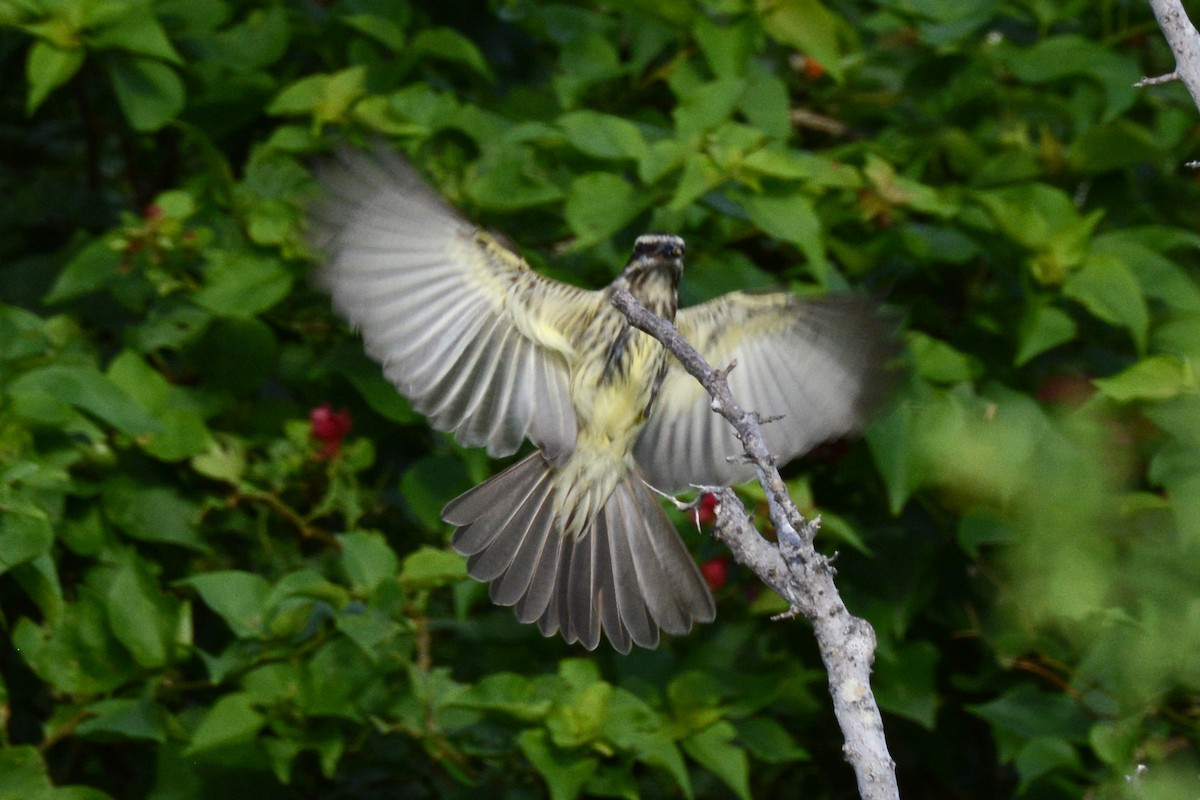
column 817, row 363
column 462, row 325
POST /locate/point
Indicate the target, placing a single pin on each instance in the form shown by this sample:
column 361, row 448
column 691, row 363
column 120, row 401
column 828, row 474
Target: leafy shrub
column 222, row 571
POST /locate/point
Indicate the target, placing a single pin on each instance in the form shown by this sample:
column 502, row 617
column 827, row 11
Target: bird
column 572, row 535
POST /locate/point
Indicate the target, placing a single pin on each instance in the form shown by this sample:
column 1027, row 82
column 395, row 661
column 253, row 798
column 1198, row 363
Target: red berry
column 330, row 427
column 715, row 571
column 707, row 511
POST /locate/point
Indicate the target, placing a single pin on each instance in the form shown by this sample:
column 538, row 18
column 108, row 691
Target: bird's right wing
column 462, row 325
column 818, row 364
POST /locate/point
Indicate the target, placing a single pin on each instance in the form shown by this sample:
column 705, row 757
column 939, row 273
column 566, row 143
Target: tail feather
column 626, row 576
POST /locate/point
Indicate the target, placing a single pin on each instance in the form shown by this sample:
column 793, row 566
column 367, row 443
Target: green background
column 196, row 602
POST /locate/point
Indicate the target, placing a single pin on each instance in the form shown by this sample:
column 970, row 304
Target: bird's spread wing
column 463, row 327
column 817, row 363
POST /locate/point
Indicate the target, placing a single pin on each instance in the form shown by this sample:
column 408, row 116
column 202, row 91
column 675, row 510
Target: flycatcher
column 486, row 348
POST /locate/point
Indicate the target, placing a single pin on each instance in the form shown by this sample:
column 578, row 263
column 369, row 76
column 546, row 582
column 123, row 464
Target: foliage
column 204, row 592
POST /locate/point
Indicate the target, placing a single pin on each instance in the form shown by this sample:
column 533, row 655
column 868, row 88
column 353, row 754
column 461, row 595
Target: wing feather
column 463, row 326
column 819, row 363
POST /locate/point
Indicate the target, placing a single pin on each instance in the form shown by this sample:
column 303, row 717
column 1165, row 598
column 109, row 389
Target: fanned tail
column 628, row 574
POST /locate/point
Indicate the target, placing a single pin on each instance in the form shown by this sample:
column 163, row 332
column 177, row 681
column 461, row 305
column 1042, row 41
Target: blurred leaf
column 1108, row 289
column 152, row 513
column 767, row 740
column 242, row 285
column 48, row 67
column 603, row 135
column 326, row 98
column 449, row 44
column 123, row 719
column 714, row 748
column 806, row 25
column 429, row 484
column 905, row 683
column 1042, row 328
column 938, row 362
column 428, row 568
column 600, row 204
column 565, row 773
column 24, row 775
column 231, row 720
column 142, row 618
column 367, row 559
column 150, row 92
column 89, row 390
column 791, row 218
column 1152, row 378
column 239, row 598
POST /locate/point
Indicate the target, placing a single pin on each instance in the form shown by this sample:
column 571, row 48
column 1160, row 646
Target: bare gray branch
column 794, row 569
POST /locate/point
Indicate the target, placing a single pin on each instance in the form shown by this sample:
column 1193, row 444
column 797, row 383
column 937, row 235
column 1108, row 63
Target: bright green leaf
column 1152, row 378
column 428, row 568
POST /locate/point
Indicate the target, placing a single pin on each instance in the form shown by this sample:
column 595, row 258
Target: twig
column 794, row 569
column 1184, row 40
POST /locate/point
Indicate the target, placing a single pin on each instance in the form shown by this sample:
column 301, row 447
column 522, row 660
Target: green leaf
column 565, row 772
column 24, row 776
column 149, row 92
column 123, row 719
column 767, row 740
column 183, row 433
column 939, row 362
column 429, row 568
column 47, row 68
column 367, row 559
column 25, row 533
column 905, row 683
column 705, row 107
column 1153, row 378
column 1042, row 328
column 1107, row 288
column 326, row 98
column 508, row 693
column 603, row 135
column 152, row 513
column 599, row 204
column 239, row 598
column 231, row 720
column 791, row 218
column 806, row 25
column 1044, row 755
column 142, row 618
column 78, row 655
column 93, row 268
column 450, row 45
column 431, row 483
column 242, row 284
column 87, row 389
column 1055, row 58
column 136, row 31
column 714, row 748
column 512, row 180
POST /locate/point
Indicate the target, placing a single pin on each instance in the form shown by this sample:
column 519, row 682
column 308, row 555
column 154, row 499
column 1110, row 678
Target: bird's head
column 655, row 255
